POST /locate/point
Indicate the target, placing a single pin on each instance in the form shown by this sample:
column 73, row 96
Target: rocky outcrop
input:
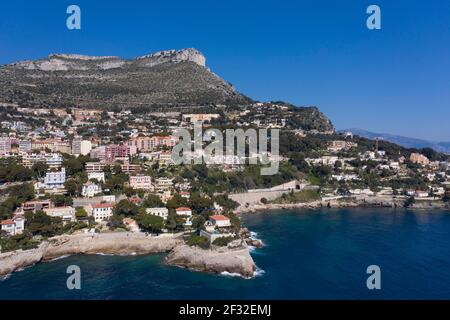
column 13, row 261
column 189, row 54
column 233, row 259
column 109, row 243
column 216, row 260
column 65, row 62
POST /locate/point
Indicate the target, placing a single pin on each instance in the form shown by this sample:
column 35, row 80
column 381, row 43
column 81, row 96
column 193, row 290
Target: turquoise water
column 308, row 255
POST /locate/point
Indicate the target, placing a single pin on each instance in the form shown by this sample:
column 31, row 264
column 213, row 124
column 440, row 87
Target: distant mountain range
column 403, row 141
column 172, row 77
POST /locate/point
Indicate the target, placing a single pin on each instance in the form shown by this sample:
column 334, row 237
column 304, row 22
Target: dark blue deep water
column 308, row 255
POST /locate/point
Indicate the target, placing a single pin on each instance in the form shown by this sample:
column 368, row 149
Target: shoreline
column 334, row 204
column 235, row 259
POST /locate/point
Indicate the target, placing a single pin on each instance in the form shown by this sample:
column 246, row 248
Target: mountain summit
column 66, row 62
column 178, row 77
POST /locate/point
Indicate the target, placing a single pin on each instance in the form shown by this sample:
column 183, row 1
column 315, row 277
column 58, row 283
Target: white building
column 141, row 182
column 55, row 180
column 65, row 213
column 99, row 176
column 220, row 221
column 80, row 146
column 13, row 226
column 52, row 160
column 421, row 194
column 163, row 184
column 5, row 145
column 345, row 177
column 184, row 211
column 90, row 189
column 102, row 211
column 160, row 212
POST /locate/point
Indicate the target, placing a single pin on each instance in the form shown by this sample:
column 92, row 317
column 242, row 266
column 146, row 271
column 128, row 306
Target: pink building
column 110, row 152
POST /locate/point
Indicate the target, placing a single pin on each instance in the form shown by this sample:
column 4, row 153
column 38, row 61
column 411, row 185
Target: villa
column 90, row 189
column 13, row 226
column 184, row 211
column 220, row 221
column 102, row 211
column 160, row 212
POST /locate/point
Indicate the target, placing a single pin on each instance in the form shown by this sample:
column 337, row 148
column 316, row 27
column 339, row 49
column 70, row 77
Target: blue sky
column 393, row 80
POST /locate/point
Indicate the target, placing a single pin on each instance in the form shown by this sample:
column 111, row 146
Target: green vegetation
column 298, row 197
column 22, row 241
column 16, row 195
column 11, row 171
column 126, row 208
column 222, row 241
column 151, row 223
column 196, row 240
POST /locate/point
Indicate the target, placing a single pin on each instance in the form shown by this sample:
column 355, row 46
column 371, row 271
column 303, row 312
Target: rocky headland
column 233, row 259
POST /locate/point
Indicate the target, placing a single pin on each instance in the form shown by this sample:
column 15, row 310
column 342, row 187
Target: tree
column 39, row 169
column 73, row 165
column 72, row 187
column 176, row 201
column 126, row 208
column 198, row 222
column 151, row 223
column 40, row 223
column 115, row 183
column 152, row 201
column 80, row 213
column 409, row 202
column 222, row 241
column 115, row 222
column 200, row 203
column 61, row 200
column 171, row 222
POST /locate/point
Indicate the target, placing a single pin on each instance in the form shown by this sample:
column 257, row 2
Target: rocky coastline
column 230, row 259
column 341, row 203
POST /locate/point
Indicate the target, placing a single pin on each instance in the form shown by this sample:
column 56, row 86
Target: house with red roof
column 13, row 226
column 220, row 221
column 102, row 211
column 184, row 211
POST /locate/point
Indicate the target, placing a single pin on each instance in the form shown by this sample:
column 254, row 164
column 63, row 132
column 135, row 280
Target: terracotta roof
column 219, row 217
column 9, row 221
column 135, row 200
column 102, row 205
column 183, row 209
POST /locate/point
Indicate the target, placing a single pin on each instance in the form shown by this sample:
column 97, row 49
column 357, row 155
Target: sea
column 307, row 254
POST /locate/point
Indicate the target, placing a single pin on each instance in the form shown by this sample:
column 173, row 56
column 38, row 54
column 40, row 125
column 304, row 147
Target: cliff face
column 236, row 261
column 113, row 243
column 166, row 77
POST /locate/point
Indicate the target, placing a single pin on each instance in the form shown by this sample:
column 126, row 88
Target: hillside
column 406, row 142
column 166, row 77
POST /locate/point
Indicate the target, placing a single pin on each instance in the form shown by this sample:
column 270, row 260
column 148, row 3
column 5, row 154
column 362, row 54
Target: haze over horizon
column 393, row 80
